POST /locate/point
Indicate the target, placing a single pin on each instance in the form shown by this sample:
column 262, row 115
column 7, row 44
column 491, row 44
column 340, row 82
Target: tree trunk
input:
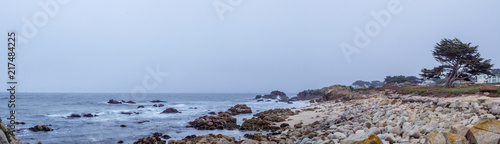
column 449, row 83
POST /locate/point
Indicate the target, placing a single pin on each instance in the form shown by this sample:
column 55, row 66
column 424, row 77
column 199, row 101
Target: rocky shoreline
column 343, row 116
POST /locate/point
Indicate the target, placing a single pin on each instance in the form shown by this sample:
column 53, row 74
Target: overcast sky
column 233, row 46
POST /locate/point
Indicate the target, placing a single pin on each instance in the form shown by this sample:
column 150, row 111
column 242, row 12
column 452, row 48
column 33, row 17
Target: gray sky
column 258, row 46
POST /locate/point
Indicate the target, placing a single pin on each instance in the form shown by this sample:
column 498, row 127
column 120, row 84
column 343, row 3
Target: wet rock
column 20, row 123
column 258, row 96
column 38, row 128
column 120, row 141
column 74, row 116
column 129, row 102
column 221, row 121
column 143, row 121
column 150, row 140
column 275, row 95
column 157, row 101
column 212, row 113
column 123, row 125
column 161, row 105
column 170, row 110
column 126, row 113
column 88, row 115
column 111, row 101
column 140, row 106
column 239, row 109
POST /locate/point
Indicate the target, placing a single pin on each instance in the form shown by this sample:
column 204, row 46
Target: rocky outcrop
column 239, row 109
column 221, row 121
column 156, row 138
column 205, row 139
column 326, row 93
column 274, row 95
column 170, row 110
column 256, row 124
column 337, row 93
column 275, row 115
column 112, row 101
column 38, row 128
column 7, row 136
column 310, row 94
column 487, row 131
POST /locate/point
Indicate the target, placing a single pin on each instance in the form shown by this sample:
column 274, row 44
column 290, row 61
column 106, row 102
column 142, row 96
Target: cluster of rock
column 264, row 121
column 38, row 128
column 83, row 115
column 327, row 93
column 170, row 110
column 281, row 96
column 275, row 115
column 156, row 138
column 220, row 121
column 239, row 109
column 205, row 139
column 112, row 101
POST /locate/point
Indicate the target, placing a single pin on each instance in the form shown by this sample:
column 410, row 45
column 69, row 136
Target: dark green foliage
column 459, row 61
column 401, row 79
column 372, row 84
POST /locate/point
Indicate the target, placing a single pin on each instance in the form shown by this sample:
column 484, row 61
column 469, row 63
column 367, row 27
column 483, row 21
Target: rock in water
column 485, row 132
column 170, row 110
column 239, row 109
column 111, row 101
column 157, row 101
column 221, row 121
column 74, row 116
column 40, row 128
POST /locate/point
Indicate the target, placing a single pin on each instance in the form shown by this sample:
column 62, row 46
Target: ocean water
column 53, row 108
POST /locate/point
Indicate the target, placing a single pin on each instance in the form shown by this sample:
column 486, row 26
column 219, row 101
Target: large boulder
column 239, row 109
column 221, row 121
column 444, row 138
column 170, row 110
column 337, row 92
column 487, row 131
